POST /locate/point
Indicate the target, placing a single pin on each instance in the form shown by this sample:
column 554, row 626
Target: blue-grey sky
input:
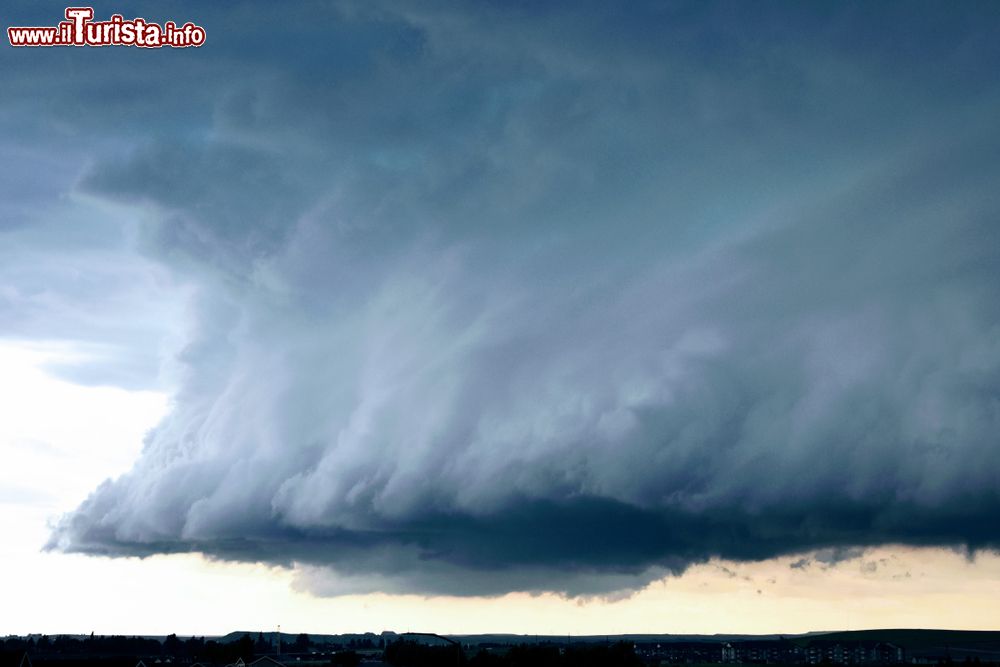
column 521, row 297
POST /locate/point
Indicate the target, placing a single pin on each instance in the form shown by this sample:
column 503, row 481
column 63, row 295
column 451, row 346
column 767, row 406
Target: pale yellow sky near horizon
column 59, row 440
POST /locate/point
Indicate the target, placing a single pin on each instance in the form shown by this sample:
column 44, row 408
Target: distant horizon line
column 274, row 633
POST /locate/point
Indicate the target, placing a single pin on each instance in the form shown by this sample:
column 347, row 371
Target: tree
column 345, row 659
column 245, row 647
column 172, row 645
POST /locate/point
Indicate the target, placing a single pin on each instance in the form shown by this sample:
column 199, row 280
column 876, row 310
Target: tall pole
column 279, row 640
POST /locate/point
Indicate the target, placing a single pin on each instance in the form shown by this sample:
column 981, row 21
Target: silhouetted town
column 244, row 649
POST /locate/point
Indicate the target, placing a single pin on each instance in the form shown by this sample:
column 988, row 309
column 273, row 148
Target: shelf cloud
column 562, row 298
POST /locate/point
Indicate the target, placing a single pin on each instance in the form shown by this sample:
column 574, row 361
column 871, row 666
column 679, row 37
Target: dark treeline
column 187, row 650
column 592, row 655
column 350, row 651
column 412, row 654
column 192, row 649
column 125, row 651
column 63, row 645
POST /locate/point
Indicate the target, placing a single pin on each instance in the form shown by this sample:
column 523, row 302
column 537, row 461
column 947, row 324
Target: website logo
column 79, row 29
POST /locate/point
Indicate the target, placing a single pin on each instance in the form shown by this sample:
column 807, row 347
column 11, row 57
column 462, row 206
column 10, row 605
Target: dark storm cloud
column 548, row 299
column 828, row 557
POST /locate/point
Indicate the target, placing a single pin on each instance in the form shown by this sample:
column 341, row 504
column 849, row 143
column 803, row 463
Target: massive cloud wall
column 478, row 309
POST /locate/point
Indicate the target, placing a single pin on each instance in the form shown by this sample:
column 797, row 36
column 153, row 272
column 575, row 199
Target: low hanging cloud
column 481, row 310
